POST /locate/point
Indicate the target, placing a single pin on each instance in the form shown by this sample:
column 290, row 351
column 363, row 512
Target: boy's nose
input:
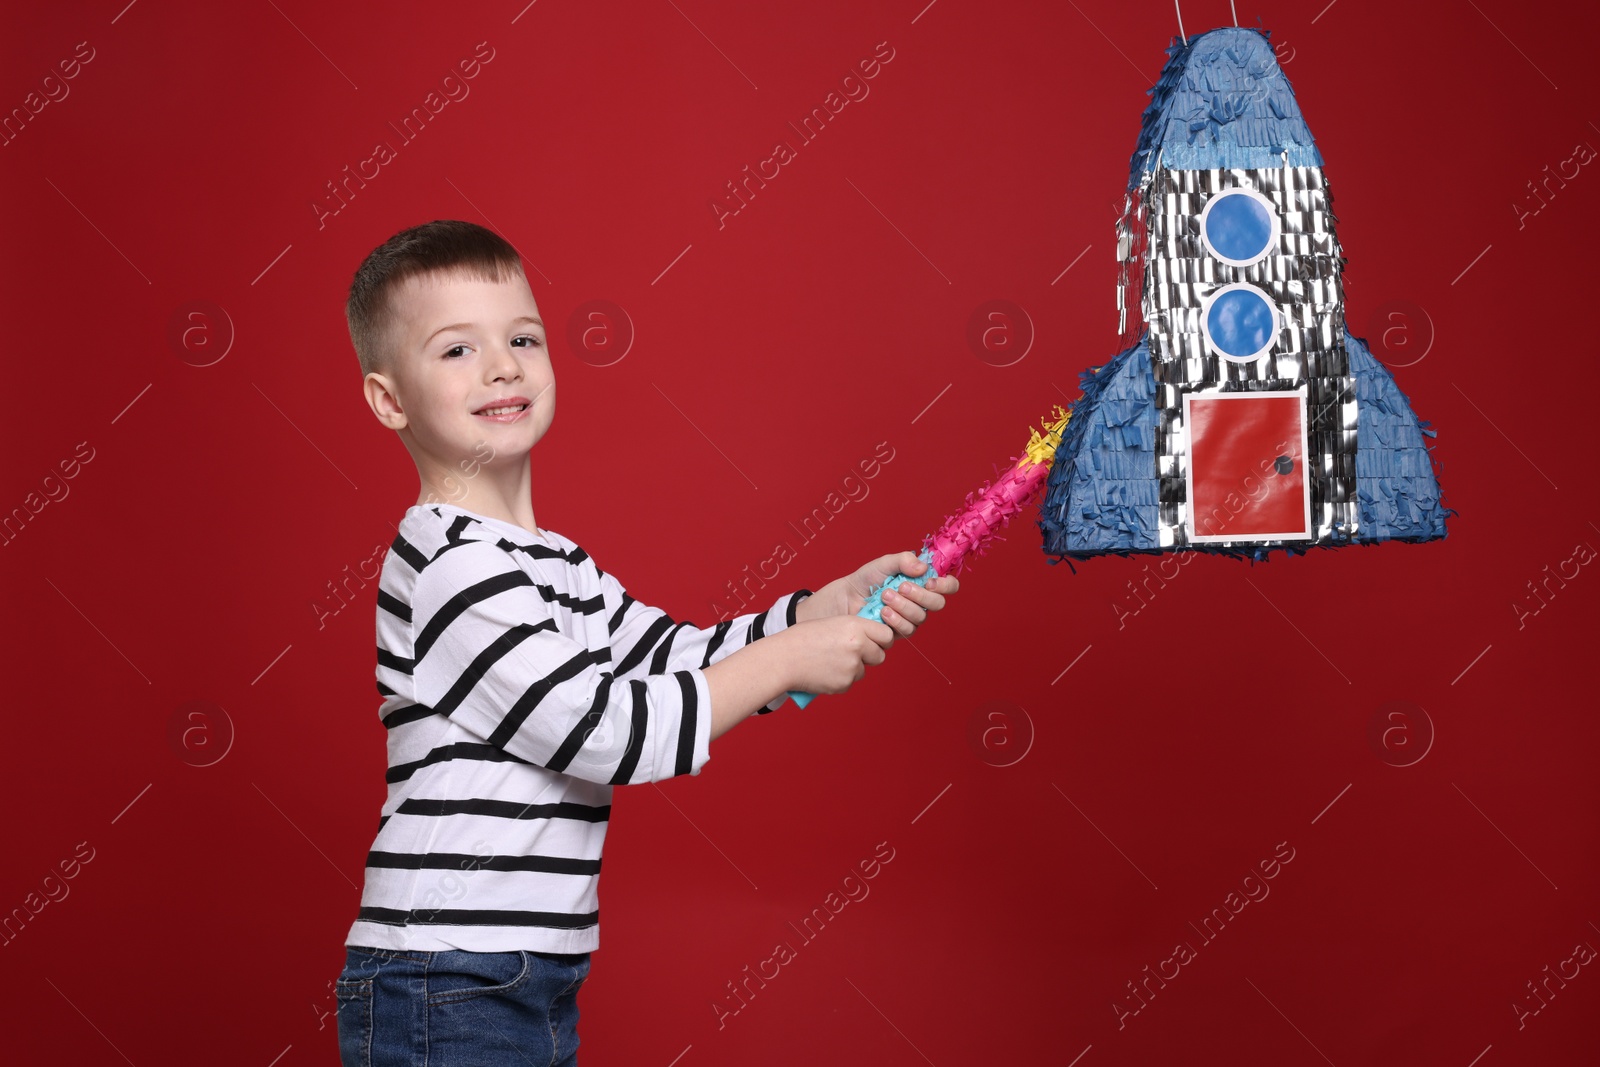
column 504, row 365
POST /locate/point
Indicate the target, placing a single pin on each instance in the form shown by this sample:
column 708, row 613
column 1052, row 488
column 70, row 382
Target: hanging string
column 1235, row 11
column 1179, row 10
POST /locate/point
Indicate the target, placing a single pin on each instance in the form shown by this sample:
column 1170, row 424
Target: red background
column 1194, row 729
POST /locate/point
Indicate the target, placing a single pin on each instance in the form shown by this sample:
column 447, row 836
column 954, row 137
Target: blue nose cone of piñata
column 1246, row 419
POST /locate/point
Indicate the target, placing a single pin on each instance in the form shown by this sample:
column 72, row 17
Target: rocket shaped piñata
column 1246, row 419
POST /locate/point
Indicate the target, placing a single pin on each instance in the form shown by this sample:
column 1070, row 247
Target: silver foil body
column 1302, row 276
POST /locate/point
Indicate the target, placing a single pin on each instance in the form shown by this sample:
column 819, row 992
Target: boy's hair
column 444, row 246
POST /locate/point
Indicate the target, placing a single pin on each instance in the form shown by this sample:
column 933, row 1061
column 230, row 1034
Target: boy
column 521, row 681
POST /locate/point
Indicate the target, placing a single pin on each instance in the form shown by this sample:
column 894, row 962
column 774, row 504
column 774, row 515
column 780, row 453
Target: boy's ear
column 385, row 404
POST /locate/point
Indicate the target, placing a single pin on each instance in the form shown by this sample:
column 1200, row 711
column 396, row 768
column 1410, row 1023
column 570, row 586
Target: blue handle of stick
column 873, row 608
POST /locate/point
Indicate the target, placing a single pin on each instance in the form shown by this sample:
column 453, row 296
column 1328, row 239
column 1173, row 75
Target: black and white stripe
column 521, row 683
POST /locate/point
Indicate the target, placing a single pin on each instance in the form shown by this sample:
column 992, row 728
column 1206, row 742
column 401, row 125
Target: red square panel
column 1247, row 475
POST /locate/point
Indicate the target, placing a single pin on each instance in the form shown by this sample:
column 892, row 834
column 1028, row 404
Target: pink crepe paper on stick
column 969, row 531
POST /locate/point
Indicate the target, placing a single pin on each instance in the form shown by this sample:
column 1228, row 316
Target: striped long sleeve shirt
column 520, row 683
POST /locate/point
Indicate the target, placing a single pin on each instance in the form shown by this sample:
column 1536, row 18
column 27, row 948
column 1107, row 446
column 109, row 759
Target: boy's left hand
column 904, row 608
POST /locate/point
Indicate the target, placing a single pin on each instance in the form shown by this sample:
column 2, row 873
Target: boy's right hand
column 832, row 654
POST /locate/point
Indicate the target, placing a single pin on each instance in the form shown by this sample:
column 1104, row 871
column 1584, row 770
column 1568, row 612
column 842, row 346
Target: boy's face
column 463, row 346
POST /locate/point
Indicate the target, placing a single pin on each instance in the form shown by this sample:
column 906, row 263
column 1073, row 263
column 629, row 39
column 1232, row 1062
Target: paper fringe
column 975, row 526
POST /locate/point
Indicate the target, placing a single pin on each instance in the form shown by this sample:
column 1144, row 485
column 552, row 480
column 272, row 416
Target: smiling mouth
column 515, row 409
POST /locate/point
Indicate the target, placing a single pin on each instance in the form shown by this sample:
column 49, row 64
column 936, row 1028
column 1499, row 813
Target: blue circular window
column 1239, row 226
column 1239, row 322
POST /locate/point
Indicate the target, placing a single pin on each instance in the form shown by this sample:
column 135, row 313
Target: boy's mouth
column 514, row 406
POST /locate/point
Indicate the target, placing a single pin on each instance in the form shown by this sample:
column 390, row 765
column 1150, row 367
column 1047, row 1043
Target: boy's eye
column 532, row 340
column 455, row 349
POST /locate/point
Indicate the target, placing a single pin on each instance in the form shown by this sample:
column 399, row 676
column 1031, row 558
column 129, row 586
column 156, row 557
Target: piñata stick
column 969, row 531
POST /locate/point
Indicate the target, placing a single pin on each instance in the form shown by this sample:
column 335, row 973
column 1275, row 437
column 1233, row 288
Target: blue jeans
column 458, row 1009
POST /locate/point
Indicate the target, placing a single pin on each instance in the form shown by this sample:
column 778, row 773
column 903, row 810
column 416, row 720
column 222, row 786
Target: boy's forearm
column 745, row 681
column 809, row 608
